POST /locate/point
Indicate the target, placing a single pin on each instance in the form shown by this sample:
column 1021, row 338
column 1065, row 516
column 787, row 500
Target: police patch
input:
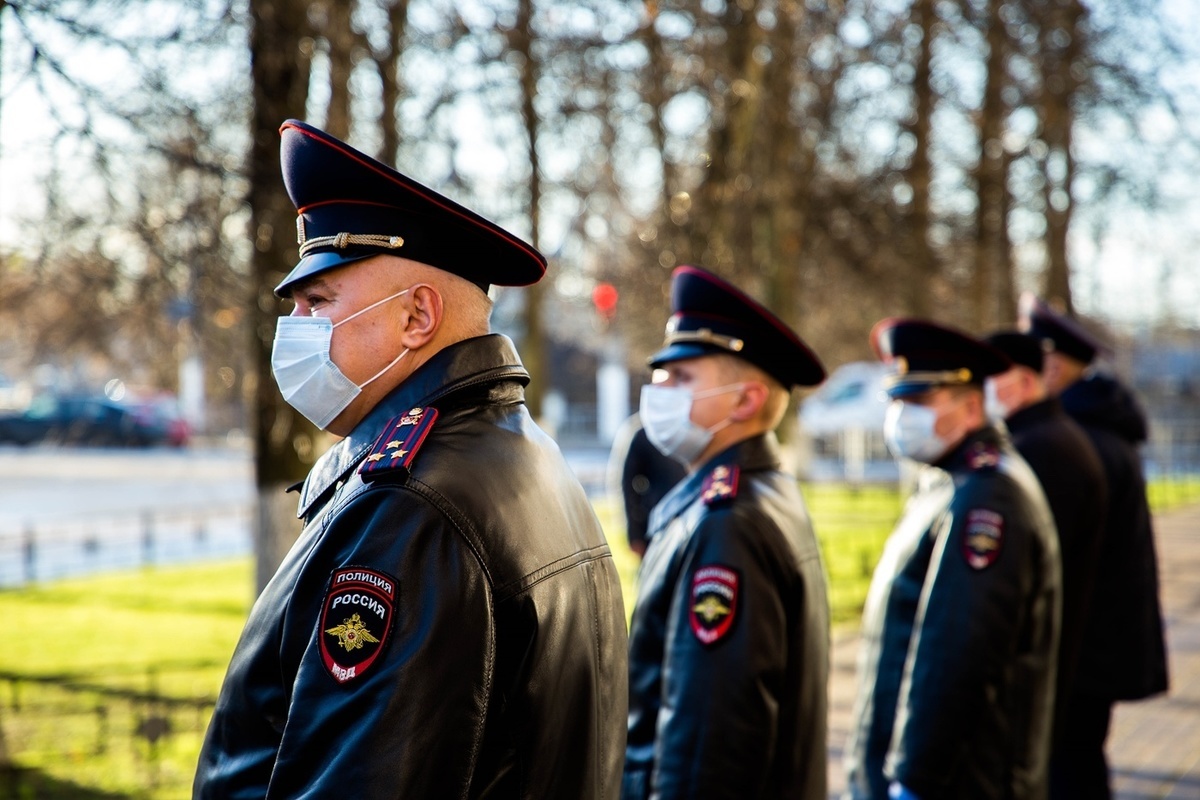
column 983, row 538
column 714, row 602
column 356, row 621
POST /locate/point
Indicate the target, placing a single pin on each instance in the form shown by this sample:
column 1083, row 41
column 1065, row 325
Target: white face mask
column 308, row 379
column 993, row 406
column 909, row 430
column 666, row 414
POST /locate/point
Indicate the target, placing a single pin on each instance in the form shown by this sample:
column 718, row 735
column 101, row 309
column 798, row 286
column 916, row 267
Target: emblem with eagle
column 352, row 633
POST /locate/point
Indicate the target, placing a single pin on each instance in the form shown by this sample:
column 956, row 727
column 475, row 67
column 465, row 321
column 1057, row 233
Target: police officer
column 1072, row 477
column 450, row 622
column 1123, row 653
column 729, row 643
column 960, row 628
column 646, row 477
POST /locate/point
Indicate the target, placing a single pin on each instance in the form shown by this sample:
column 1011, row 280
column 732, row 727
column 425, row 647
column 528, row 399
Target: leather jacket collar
column 483, row 359
column 756, row 453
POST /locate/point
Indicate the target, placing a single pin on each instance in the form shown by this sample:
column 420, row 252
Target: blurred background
column 842, row 160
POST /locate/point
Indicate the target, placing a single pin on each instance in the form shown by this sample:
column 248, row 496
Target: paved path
column 1154, row 746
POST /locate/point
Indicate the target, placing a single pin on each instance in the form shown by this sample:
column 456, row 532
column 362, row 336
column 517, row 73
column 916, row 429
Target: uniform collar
column 1034, row 413
column 977, row 448
column 483, row 359
column 749, row 455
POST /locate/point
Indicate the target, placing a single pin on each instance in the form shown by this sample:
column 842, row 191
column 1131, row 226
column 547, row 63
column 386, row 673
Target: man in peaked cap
column 960, row 628
column 1123, row 652
column 450, row 622
column 729, row 643
column 1072, row 477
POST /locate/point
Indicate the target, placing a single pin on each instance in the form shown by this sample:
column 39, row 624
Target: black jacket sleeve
column 719, row 716
column 968, row 618
column 377, row 736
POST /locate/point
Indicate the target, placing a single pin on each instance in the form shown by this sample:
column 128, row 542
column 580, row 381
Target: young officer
column 729, row 646
column 450, row 622
column 960, row 628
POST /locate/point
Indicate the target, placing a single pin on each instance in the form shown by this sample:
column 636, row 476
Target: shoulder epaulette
column 396, row 448
column 721, row 485
column 983, row 456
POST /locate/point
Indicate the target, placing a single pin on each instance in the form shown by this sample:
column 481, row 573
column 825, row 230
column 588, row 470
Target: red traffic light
column 604, row 298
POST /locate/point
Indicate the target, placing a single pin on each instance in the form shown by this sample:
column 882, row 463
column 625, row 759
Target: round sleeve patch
column 714, row 602
column 983, row 538
column 356, row 620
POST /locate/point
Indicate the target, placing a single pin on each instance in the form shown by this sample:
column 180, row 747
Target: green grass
column 171, row 631
column 163, row 631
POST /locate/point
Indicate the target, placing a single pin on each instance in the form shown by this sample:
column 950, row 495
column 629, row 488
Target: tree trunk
column 533, row 348
column 340, row 36
column 923, row 265
column 1061, row 43
column 391, row 79
column 284, row 441
column 991, row 255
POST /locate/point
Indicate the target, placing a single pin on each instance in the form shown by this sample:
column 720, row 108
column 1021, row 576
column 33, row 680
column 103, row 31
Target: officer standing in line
column 729, row 644
column 1123, row 654
column 1072, row 477
column 646, row 475
column 450, row 622
column 960, row 628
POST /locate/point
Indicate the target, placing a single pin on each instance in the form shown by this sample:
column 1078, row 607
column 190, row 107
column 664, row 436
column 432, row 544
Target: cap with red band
column 350, row 207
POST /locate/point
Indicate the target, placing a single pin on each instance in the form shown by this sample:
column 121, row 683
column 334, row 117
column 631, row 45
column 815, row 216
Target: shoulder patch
column 720, row 485
column 714, row 602
column 983, row 538
column 396, row 448
column 356, row 621
column 983, row 456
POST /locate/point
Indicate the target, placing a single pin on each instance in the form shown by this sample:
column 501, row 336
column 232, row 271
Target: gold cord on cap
column 343, row 240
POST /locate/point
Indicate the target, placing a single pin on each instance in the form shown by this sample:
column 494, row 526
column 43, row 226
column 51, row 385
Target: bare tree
column 284, row 441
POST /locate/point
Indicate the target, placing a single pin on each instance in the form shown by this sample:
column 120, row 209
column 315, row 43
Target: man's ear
column 424, row 312
column 750, row 403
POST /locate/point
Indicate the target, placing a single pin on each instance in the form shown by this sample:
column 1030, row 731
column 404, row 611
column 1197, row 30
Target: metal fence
column 79, row 546
column 133, row 742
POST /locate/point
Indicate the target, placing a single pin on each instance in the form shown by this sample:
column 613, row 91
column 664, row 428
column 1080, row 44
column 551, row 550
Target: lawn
column 106, row 685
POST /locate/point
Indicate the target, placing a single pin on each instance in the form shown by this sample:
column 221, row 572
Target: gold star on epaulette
column 399, row 454
column 375, row 457
column 393, row 444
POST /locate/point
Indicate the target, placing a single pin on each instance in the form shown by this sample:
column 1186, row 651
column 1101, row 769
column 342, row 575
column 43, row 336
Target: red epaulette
column 983, row 456
column 721, row 485
column 396, row 448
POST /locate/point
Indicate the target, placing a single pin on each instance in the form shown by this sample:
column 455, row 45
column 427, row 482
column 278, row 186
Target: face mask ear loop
column 368, row 308
column 395, row 361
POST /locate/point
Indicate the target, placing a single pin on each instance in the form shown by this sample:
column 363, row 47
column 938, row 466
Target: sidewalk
column 1154, row 745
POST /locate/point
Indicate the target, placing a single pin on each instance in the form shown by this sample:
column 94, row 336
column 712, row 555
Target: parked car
column 81, row 420
column 160, row 419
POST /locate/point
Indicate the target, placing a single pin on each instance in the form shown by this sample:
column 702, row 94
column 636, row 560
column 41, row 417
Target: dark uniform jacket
column 646, row 476
column 729, row 649
column 1123, row 653
column 960, row 636
column 1072, row 477
column 452, row 628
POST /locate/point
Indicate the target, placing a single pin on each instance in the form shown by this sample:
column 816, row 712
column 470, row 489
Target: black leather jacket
column 960, row 636
column 454, row 628
column 729, row 647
